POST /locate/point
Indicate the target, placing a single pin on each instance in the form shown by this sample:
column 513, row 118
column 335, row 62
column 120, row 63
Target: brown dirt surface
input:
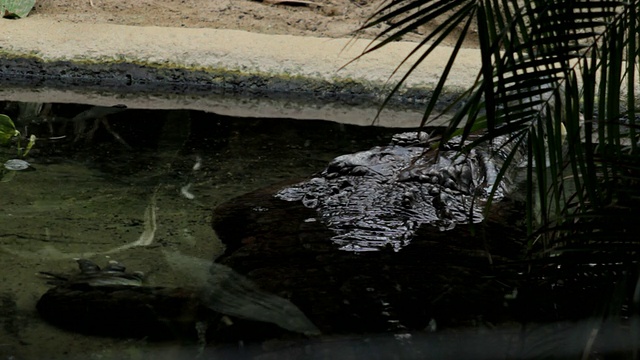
column 321, row 18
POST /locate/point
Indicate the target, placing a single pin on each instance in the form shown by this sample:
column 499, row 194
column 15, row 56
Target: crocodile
column 383, row 240
column 379, row 197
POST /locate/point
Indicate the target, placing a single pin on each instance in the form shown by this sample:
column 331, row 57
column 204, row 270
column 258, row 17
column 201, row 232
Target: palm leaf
column 560, row 78
column 530, row 54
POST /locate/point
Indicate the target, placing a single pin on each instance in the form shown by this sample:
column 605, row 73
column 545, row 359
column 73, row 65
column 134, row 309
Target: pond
column 104, row 179
column 143, row 187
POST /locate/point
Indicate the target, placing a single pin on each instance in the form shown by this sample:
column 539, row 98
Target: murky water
column 135, row 185
column 130, row 185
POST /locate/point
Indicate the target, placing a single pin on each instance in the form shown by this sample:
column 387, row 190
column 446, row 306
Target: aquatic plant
column 7, row 129
column 8, row 132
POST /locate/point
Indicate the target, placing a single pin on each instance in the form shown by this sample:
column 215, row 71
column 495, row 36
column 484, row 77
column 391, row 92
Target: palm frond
column 542, row 62
column 559, row 79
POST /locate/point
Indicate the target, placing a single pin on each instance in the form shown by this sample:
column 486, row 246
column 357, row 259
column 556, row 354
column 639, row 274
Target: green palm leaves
column 560, row 77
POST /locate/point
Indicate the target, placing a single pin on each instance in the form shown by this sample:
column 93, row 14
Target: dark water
column 126, row 184
column 134, row 185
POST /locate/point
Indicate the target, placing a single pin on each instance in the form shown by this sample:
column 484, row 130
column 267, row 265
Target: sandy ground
column 318, row 18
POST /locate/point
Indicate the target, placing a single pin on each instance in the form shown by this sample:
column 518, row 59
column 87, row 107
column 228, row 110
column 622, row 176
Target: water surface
column 108, row 182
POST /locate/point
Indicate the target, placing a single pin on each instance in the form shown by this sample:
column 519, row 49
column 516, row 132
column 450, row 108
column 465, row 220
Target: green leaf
column 7, row 129
column 16, row 8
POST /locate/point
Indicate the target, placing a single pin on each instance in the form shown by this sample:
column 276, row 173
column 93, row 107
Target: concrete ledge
column 284, row 71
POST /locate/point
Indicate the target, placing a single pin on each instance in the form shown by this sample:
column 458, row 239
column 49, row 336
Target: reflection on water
column 129, row 185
